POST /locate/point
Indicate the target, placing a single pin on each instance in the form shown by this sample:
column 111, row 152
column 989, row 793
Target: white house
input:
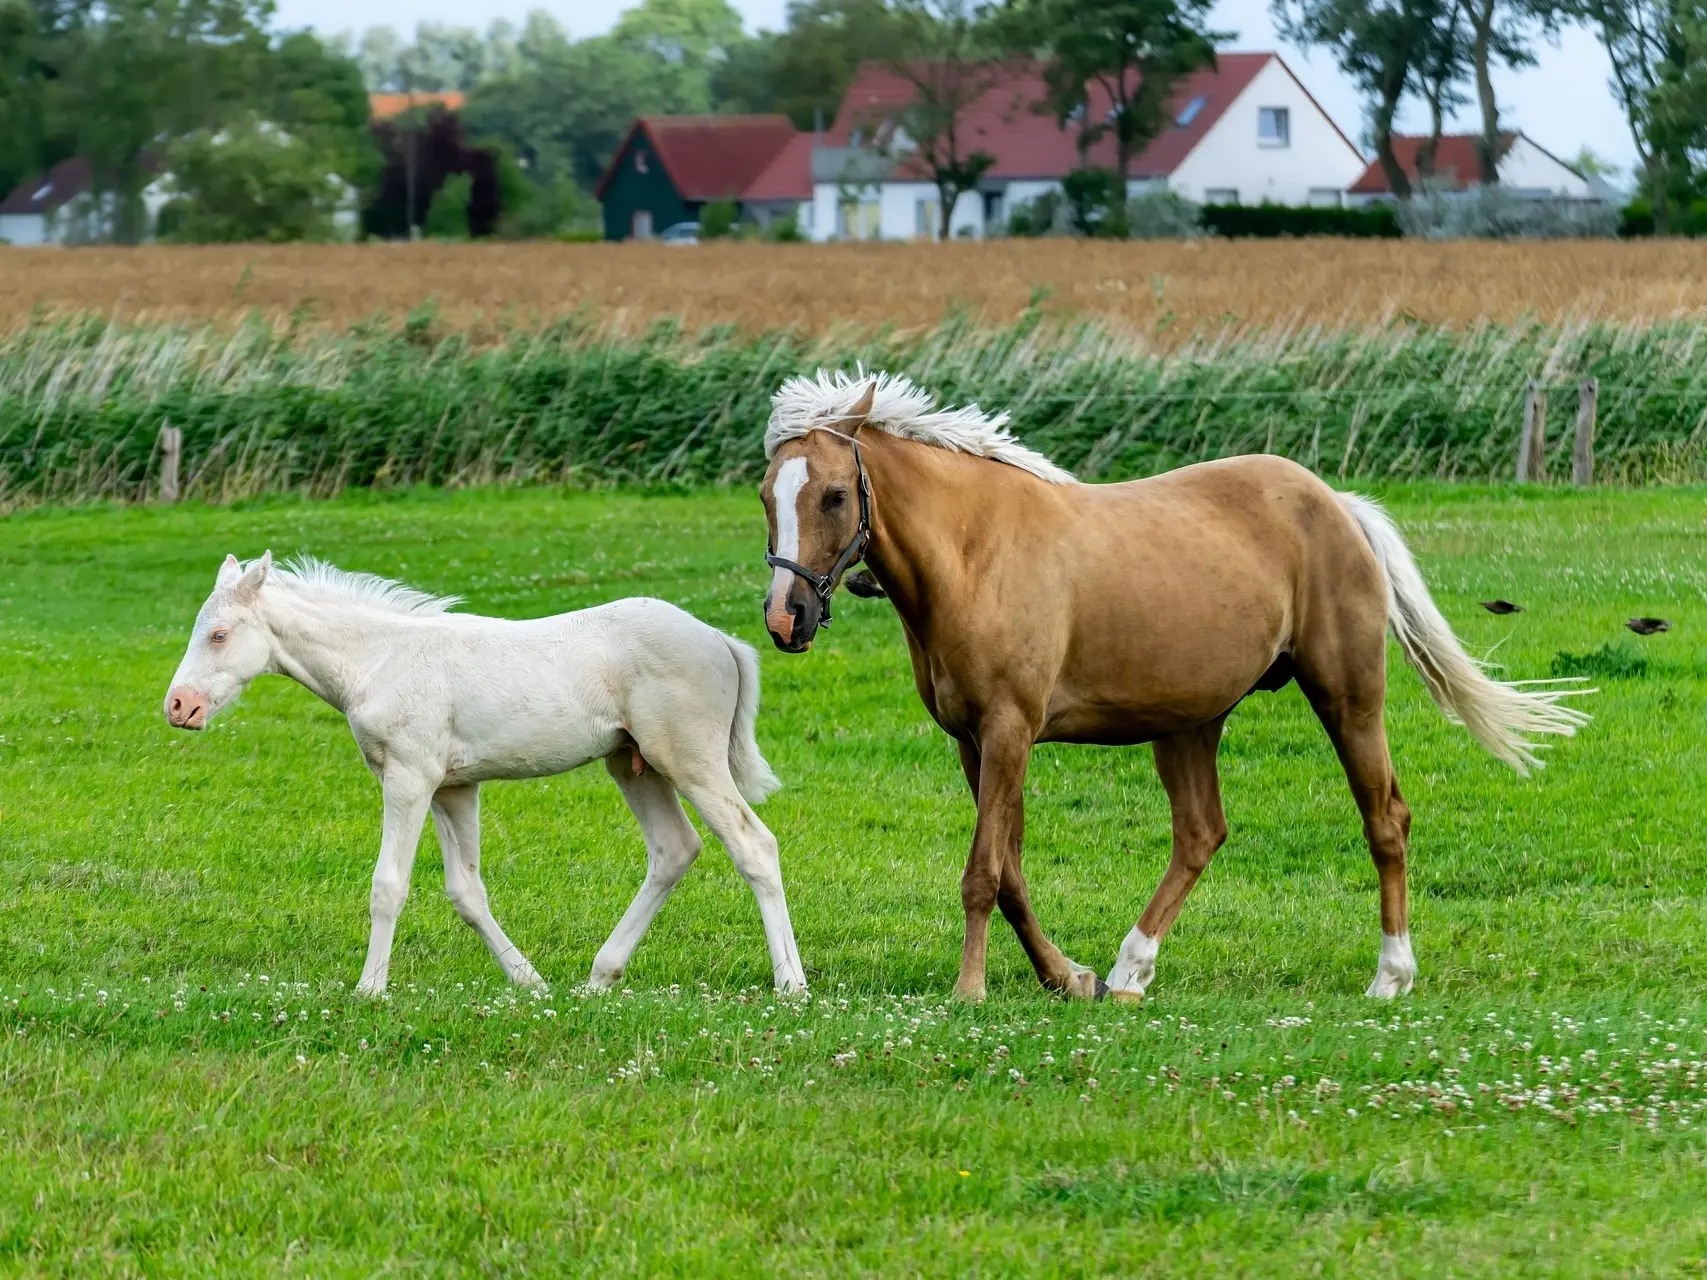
column 1245, row 132
column 1525, row 168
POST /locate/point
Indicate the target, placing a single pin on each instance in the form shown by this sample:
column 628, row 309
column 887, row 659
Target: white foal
column 441, row 702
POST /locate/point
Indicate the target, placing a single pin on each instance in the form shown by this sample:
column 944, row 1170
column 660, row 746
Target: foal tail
column 1499, row 715
column 753, row 777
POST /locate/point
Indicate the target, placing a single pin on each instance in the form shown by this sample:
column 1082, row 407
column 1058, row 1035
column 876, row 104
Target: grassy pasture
column 190, row 1088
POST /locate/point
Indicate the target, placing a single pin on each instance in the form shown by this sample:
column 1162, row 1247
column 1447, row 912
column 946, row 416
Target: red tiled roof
column 710, row 157
column 45, row 192
column 789, row 176
column 385, row 106
column 1027, row 144
column 1456, row 162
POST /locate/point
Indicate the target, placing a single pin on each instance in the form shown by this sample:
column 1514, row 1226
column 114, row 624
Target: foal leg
column 1186, row 764
column 456, row 814
column 406, row 800
column 753, row 850
column 1054, row 969
column 1354, row 722
column 671, row 847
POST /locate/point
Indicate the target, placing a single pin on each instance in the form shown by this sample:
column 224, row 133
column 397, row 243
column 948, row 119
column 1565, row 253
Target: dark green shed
column 670, row 167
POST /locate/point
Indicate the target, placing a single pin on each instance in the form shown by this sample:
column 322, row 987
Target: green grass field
column 189, row 1086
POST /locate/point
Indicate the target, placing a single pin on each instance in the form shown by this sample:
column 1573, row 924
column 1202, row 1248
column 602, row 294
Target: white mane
column 327, row 581
column 805, row 404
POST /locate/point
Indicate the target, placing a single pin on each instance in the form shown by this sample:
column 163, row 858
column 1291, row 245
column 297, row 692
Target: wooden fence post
column 171, row 461
column 1582, row 454
column 1532, row 444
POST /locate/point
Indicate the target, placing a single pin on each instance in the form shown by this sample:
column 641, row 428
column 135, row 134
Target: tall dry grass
column 1161, row 289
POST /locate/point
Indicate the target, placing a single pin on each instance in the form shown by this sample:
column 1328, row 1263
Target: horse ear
column 862, row 407
column 229, row 572
column 251, row 581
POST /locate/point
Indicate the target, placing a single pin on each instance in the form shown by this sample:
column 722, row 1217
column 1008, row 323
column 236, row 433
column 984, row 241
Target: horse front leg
column 1054, row 969
column 406, row 802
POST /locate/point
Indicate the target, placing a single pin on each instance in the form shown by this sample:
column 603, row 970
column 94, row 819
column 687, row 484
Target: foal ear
column 229, row 572
column 252, row 579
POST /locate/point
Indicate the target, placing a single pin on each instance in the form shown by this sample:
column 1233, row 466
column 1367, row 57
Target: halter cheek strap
column 824, row 584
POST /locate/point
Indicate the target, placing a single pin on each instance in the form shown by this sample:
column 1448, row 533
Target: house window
column 640, row 162
column 1221, row 195
column 1326, row 197
column 1190, row 111
column 1274, row 126
column 924, row 218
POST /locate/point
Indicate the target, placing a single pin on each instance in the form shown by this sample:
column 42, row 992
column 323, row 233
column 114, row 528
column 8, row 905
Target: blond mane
column 328, row 582
column 902, row 409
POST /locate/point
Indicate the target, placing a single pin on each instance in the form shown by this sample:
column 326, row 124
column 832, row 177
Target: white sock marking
column 1135, row 967
column 1397, row 969
column 790, row 480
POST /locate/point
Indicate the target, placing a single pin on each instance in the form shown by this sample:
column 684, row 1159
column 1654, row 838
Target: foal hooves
column 1126, row 997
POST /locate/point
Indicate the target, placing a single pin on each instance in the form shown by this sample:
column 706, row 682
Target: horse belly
column 534, row 739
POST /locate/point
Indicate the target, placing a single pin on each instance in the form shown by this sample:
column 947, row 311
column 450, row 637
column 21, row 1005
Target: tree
column 1129, row 54
column 1379, row 44
column 1656, row 49
column 249, row 182
column 804, row 70
column 683, row 42
column 1503, row 29
column 1440, row 70
column 953, row 70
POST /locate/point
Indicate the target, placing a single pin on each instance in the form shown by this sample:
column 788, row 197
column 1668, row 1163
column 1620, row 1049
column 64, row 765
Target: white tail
column 1499, row 715
column 753, row 777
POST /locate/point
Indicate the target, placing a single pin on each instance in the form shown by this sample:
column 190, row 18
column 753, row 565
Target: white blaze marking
column 790, row 480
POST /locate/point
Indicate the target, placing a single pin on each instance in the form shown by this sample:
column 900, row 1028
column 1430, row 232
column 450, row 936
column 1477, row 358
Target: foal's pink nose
column 185, row 708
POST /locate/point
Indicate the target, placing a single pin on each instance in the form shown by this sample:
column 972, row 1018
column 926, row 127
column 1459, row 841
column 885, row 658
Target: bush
column 1496, row 213
column 1162, row 215
column 447, row 215
column 249, row 182
column 1046, row 215
column 1637, row 219
column 1096, row 201
column 785, row 230
column 717, row 219
column 1238, row 221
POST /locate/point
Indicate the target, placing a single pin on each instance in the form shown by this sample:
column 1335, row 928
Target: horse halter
column 824, row 584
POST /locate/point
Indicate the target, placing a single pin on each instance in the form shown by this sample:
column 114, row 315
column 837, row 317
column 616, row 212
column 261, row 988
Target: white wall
column 891, row 211
column 23, row 228
column 1231, row 156
column 1527, row 168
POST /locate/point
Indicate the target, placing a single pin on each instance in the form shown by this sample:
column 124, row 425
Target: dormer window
column 1190, row 111
column 1274, row 127
column 44, row 193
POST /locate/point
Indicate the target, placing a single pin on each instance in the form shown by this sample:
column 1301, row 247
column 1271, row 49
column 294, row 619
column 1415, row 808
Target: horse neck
column 917, row 534
column 327, row 646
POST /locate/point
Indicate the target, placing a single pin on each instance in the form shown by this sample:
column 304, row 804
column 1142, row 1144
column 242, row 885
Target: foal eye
column 218, row 637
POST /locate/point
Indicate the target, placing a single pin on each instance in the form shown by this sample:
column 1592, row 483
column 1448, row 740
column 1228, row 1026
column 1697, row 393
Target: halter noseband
column 824, row 584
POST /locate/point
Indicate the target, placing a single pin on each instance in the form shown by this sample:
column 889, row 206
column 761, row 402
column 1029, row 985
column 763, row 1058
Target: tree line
column 261, row 129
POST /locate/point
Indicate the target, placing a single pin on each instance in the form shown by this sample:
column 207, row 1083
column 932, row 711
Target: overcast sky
column 1564, row 104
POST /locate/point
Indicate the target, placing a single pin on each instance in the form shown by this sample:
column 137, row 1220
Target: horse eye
column 835, row 498
column 218, row 637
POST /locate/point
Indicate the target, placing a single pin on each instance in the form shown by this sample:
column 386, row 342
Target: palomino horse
column 1038, row 609
column 441, row 702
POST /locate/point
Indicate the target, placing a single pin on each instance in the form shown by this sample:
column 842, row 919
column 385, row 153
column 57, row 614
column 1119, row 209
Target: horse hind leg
column 1186, row 765
column 1352, row 715
column 672, row 845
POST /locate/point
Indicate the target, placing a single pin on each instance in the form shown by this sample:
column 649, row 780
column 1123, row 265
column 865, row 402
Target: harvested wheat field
column 814, row 288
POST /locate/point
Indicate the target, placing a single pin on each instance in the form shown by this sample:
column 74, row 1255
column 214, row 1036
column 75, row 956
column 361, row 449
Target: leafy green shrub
column 1096, row 201
column 249, row 182
column 447, row 215
column 785, row 230
column 1497, row 213
column 1046, row 215
column 717, row 219
column 1237, row 221
column 1162, row 215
